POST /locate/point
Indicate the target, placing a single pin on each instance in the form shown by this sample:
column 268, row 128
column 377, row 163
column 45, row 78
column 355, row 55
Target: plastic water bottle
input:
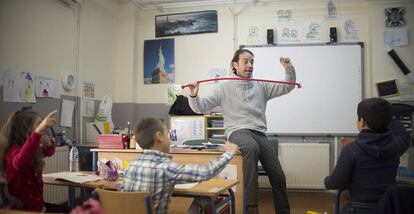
column 74, row 159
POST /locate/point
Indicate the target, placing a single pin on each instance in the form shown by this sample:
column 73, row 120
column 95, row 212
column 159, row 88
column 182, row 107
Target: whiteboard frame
column 361, row 44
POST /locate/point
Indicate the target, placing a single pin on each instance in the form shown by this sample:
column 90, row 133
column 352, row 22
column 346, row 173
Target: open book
column 76, row 177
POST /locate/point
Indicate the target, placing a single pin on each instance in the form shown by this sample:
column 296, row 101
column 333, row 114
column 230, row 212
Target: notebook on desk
column 75, row 177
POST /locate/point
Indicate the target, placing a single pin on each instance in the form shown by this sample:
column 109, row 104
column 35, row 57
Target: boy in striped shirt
column 156, row 173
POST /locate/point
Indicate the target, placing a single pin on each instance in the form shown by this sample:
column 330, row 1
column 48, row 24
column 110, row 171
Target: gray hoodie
column 243, row 102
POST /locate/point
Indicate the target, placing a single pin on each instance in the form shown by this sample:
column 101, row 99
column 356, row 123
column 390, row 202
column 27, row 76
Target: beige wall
column 195, row 54
column 383, row 68
column 39, row 36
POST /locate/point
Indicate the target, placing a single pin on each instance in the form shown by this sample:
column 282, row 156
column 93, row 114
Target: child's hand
column 45, row 140
column 49, row 121
column 230, row 147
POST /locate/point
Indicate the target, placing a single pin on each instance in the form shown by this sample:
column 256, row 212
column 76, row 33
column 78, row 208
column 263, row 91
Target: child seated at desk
column 23, row 148
column 368, row 166
column 156, row 173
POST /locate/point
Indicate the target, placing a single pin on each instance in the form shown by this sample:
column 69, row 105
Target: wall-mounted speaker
column 398, row 61
column 333, row 36
column 270, row 37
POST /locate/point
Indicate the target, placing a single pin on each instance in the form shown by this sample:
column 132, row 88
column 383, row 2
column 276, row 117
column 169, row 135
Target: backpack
column 181, row 107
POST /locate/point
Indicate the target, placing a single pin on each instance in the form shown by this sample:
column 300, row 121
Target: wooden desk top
column 211, row 188
column 172, row 151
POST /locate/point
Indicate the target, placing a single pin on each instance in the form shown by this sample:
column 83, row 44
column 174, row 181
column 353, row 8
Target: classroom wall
column 40, row 36
column 383, row 67
column 195, row 54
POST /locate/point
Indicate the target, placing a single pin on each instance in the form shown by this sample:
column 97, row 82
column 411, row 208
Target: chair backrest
column 397, row 199
column 124, row 202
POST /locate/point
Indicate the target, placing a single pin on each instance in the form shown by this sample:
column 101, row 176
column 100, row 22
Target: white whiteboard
column 332, row 86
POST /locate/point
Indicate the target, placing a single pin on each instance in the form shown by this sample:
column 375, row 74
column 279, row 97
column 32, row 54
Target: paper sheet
column 76, row 177
column 47, row 87
column 27, row 91
column 66, row 113
column 11, row 86
column 396, row 38
column 185, row 186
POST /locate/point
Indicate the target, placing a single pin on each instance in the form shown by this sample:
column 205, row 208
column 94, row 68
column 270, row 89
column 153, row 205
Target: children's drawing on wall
column 11, row 86
column 284, row 15
column 253, row 35
column 47, row 87
column 394, row 38
column 332, row 12
column 350, row 31
column 27, row 92
column 159, row 61
column 289, row 34
column 313, row 30
column 172, row 92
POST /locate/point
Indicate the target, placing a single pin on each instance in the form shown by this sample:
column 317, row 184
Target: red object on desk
column 110, row 141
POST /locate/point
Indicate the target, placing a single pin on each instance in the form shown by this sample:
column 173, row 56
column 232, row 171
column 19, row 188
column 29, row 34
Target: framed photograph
column 159, row 61
column 387, row 88
column 395, row 17
column 186, row 23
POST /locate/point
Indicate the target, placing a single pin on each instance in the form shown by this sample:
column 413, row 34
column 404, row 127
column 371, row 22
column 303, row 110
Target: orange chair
column 124, row 202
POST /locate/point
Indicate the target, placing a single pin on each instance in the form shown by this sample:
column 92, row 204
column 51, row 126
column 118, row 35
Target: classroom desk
column 179, row 156
column 204, row 191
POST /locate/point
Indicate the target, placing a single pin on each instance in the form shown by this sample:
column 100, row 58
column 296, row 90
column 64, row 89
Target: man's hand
column 194, row 89
column 287, row 63
column 49, row 121
column 230, row 147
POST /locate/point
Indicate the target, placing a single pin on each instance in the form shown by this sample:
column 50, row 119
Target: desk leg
column 71, row 199
column 211, row 202
column 232, row 201
column 94, row 160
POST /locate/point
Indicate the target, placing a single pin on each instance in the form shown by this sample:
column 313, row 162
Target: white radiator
column 57, row 163
column 305, row 165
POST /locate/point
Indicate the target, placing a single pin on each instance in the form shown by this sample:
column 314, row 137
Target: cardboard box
column 110, row 141
column 92, row 134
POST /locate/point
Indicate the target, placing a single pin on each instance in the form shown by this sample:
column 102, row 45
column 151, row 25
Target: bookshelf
column 214, row 127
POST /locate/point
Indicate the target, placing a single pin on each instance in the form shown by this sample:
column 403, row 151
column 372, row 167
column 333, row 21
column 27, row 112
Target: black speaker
column 399, row 62
column 333, row 36
column 270, row 38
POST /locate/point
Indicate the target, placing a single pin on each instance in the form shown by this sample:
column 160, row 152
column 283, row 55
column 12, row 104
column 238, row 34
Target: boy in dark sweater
column 368, row 166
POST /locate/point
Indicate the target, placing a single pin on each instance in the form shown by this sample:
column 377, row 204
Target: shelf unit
column 209, row 130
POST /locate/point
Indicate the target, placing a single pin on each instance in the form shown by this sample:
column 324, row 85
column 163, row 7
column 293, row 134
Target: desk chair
column 397, row 199
column 124, row 202
column 362, row 207
column 4, row 202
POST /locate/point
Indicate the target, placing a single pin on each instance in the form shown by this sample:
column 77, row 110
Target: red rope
column 249, row 79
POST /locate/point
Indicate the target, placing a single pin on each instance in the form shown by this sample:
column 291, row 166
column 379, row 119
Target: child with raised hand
column 156, row 173
column 22, row 157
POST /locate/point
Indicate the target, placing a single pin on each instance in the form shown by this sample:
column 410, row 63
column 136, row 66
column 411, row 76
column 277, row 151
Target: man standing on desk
column 244, row 105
